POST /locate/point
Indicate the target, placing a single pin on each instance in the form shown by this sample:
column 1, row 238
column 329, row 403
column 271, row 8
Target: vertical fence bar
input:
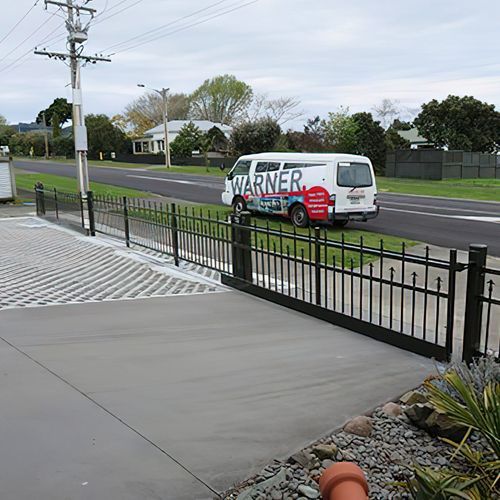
column 125, row 221
column 317, row 265
column 450, row 306
column 473, row 304
column 56, row 204
column 175, row 233
column 90, row 208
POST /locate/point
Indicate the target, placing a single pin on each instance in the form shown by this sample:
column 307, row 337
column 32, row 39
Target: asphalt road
column 438, row 221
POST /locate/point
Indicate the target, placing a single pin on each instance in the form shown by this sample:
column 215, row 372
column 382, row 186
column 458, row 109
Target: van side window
column 290, row 166
column 272, row 166
column 261, row 167
column 242, row 167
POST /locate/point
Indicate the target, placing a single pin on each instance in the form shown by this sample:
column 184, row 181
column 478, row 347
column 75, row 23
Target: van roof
column 304, row 157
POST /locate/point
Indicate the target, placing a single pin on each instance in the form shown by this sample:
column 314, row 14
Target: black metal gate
column 404, row 298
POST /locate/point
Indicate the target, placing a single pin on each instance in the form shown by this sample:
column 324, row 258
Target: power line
column 12, row 65
column 164, row 26
column 19, row 22
column 183, row 28
column 118, row 12
column 26, row 39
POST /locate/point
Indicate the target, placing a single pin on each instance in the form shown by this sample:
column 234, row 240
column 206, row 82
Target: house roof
column 174, row 126
column 413, row 136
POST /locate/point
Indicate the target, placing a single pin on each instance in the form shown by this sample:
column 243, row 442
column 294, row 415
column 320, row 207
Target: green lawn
column 68, row 184
column 285, row 243
column 476, row 189
column 217, row 212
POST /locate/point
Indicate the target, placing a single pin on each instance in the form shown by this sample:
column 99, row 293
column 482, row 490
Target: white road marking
column 164, row 180
column 383, row 203
column 466, row 217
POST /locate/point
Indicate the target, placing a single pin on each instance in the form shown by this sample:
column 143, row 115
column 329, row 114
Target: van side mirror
column 230, row 176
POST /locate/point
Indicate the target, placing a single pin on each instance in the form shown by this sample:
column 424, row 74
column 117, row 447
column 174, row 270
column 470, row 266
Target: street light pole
column 164, row 97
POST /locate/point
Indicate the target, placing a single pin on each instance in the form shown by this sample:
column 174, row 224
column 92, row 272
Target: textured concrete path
column 44, row 264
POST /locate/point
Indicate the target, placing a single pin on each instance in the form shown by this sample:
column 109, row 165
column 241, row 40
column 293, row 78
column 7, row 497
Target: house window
column 161, row 145
column 138, row 147
column 145, row 147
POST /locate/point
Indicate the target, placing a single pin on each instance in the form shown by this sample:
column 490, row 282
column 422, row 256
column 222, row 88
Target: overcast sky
column 327, row 53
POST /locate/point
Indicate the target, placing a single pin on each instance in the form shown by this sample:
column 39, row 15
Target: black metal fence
column 409, row 300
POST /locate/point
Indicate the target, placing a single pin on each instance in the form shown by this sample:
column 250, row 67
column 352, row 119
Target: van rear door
column 355, row 187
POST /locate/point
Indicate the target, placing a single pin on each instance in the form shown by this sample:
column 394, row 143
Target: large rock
column 392, row 409
column 439, row 424
column 413, row 397
column 325, row 451
column 426, row 417
column 360, row 426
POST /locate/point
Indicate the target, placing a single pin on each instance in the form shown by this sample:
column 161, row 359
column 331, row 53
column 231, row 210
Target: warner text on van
column 331, row 188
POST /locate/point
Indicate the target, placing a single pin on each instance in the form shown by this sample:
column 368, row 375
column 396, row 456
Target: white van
column 332, row 188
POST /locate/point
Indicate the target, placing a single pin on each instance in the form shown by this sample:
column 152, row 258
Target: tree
column 27, row 144
column 146, row 112
column 370, row 139
column 281, row 109
column 223, row 99
column 103, row 136
column 63, row 146
column 460, row 123
column 217, row 138
column 187, row 141
column 255, row 137
column 56, row 115
column 6, row 131
column 394, row 141
column 340, row 131
column 387, row 111
column 311, row 140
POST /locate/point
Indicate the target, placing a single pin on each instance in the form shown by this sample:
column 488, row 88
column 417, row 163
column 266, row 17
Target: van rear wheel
column 239, row 205
column 299, row 216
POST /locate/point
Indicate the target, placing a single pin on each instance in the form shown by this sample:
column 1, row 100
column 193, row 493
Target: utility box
column 7, row 180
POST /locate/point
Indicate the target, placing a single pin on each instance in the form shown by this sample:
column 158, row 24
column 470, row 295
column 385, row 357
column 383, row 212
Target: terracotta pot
column 343, row 481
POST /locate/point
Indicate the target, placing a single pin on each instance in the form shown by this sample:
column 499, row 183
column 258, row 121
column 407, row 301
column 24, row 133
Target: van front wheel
column 239, row 205
column 299, row 216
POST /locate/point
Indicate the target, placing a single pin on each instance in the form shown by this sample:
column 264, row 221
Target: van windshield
column 354, row 175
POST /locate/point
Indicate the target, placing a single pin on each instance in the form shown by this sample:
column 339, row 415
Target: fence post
column 125, row 220
column 40, row 199
column 317, row 265
column 241, row 243
column 473, row 303
column 450, row 316
column 175, row 234
column 56, row 204
column 90, row 207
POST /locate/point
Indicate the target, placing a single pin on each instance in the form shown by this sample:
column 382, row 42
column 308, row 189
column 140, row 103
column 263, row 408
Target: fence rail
column 405, row 299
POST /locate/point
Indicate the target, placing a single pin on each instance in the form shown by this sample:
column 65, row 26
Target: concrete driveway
column 175, row 397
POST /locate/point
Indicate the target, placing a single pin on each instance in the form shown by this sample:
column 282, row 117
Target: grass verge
column 474, row 189
column 217, row 212
column 27, row 181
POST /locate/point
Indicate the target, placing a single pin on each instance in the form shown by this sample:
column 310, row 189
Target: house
column 153, row 140
column 415, row 139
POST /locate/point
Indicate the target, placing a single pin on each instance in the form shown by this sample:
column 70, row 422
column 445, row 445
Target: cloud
column 325, row 52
